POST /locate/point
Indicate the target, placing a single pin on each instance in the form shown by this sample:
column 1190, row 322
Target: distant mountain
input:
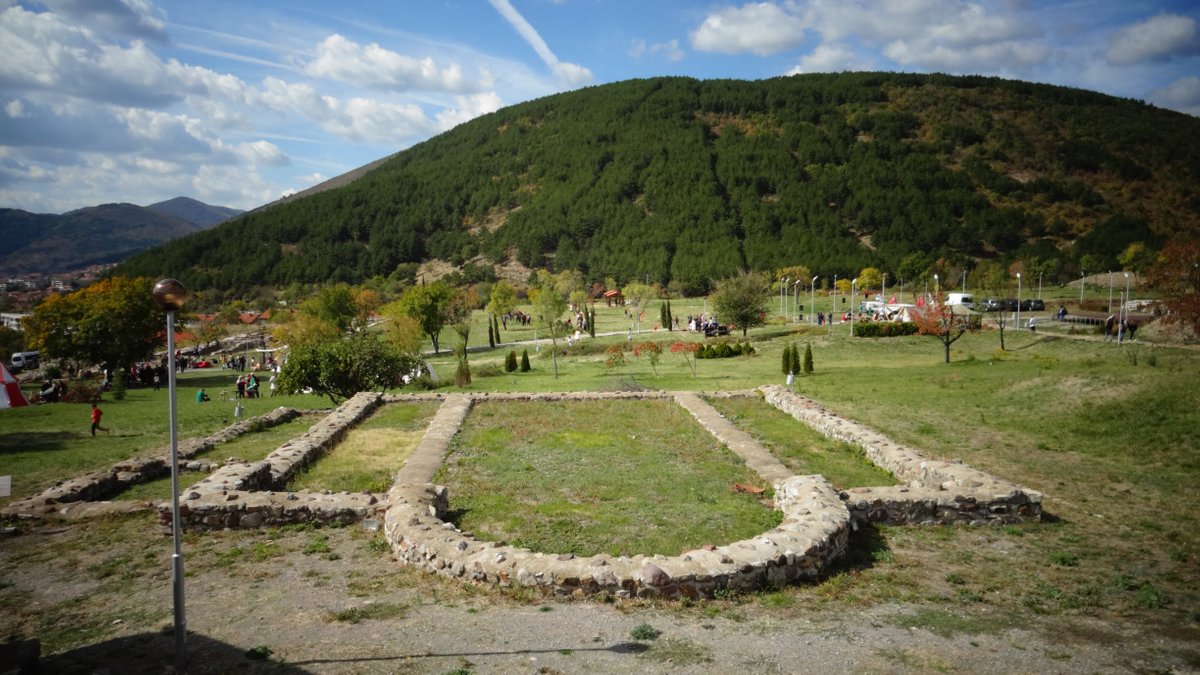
column 47, row 243
column 195, row 212
column 689, row 181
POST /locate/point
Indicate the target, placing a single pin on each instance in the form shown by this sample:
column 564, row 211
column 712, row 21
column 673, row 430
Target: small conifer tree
column 491, row 336
column 510, row 361
column 525, row 361
column 787, row 359
column 808, row 364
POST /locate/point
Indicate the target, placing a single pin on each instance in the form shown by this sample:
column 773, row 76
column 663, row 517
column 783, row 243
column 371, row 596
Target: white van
column 964, row 299
column 22, row 360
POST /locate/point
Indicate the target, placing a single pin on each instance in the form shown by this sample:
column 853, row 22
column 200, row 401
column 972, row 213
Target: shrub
column 510, row 361
column 885, row 329
column 808, row 359
column 525, row 361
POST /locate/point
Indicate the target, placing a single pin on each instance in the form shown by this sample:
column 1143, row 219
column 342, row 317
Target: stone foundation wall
column 96, row 486
column 813, row 534
column 936, row 492
column 249, row 494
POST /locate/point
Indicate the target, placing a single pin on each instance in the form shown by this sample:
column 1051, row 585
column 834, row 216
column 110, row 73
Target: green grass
column 42, row 444
column 617, row 477
column 249, row 447
column 801, row 449
column 372, row 452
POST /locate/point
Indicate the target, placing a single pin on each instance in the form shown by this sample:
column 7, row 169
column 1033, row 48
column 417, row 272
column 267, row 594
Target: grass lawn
column 42, row 444
column 249, row 447
column 372, row 452
column 617, row 477
column 799, row 447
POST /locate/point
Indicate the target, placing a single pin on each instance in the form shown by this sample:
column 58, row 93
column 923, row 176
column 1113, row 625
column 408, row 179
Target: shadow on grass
column 36, row 441
column 865, row 546
column 154, row 653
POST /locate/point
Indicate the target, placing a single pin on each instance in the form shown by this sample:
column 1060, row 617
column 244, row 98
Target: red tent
column 10, row 393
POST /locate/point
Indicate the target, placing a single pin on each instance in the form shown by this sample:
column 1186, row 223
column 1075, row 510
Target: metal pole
column 170, row 295
column 964, row 282
column 1110, row 291
column 1081, row 277
column 853, row 286
column 796, row 300
column 782, row 283
column 833, row 298
column 812, row 300
column 883, row 290
column 1018, row 323
column 1039, row 285
column 177, row 554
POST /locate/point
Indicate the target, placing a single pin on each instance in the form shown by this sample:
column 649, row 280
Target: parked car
column 992, row 305
column 1032, row 305
column 1010, row 304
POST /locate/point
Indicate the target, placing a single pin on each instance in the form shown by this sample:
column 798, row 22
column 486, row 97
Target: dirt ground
column 98, row 596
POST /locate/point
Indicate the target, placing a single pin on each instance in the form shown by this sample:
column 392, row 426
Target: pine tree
column 510, row 361
column 491, row 336
column 795, row 359
column 496, row 328
column 525, row 361
column 787, row 359
column 670, row 319
column 663, row 315
column 808, row 364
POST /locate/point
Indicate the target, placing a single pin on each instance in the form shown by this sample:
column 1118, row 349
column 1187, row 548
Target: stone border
column 813, row 533
column 936, row 492
column 84, row 495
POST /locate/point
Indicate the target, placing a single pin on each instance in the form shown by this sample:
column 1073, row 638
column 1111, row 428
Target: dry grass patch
column 371, row 454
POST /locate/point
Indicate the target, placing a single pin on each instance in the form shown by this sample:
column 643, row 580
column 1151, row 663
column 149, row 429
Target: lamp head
column 170, row 294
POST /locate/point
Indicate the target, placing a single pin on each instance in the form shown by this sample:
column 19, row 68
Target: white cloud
column 467, row 108
column 1182, row 94
column 131, row 18
column 373, row 66
column 829, row 58
column 759, row 28
column 1155, row 39
column 948, row 35
column 669, row 49
column 568, row 74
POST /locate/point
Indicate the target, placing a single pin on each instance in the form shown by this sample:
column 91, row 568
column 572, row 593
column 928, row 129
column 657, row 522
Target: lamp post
column 1110, row 291
column 935, row 286
column 1039, row 285
column 883, row 290
column 171, row 295
column 1018, row 324
column 964, row 282
column 1124, row 312
column 853, row 285
column 782, row 285
column 812, row 301
column 1082, row 276
column 796, row 300
column 833, row 298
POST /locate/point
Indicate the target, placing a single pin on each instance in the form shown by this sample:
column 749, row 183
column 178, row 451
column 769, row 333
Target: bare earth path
column 333, row 601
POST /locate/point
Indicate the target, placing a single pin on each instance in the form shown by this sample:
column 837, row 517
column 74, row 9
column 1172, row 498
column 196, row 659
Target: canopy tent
column 10, row 393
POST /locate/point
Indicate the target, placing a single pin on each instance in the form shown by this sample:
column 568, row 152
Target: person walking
column 97, row 413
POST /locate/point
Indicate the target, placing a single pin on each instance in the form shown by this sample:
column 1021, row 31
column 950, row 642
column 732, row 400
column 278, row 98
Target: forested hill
column 687, row 180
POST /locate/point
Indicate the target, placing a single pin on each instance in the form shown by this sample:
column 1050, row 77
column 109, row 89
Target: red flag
column 892, row 301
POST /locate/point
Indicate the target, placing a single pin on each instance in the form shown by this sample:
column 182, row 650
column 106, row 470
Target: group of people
column 516, row 315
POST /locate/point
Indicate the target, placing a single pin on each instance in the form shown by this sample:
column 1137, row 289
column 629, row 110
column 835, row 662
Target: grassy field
column 617, row 477
column 372, row 452
column 1107, row 433
column 46, row 443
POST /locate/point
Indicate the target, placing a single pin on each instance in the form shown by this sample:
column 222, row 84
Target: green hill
column 687, row 180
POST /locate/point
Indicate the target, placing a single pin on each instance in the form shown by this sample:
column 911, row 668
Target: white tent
column 10, row 393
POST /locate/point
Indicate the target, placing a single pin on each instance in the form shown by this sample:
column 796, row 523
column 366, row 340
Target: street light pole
column 171, row 295
column 796, row 300
column 1018, row 323
column 1110, row 291
column 935, row 286
column 782, row 283
column 853, row 286
column 964, row 282
column 1082, row 276
column 833, row 299
column 812, row 300
column 883, row 290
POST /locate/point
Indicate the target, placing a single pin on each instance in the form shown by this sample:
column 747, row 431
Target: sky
column 237, row 103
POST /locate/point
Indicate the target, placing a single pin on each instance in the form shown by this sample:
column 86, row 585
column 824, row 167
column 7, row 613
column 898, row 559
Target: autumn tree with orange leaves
column 944, row 322
column 1176, row 275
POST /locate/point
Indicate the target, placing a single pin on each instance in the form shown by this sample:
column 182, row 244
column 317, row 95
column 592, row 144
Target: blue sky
column 238, row 103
